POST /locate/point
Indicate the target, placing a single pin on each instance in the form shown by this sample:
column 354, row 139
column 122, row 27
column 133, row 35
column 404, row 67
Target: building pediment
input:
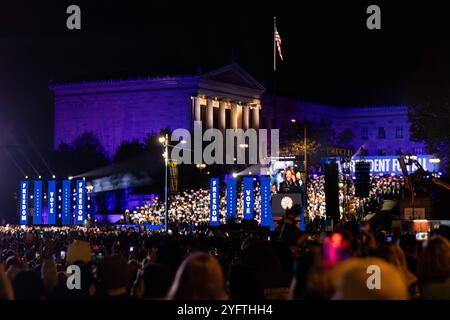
column 235, row 75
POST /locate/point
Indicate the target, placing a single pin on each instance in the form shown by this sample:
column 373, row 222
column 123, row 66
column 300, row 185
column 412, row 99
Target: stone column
column 233, row 116
column 246, row 117
column 255, row 117
column 197, row 109
column 209, row 114
column 239, row 116
column 222, row 115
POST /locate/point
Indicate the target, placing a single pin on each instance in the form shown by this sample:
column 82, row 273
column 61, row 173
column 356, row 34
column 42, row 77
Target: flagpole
column 274, row 45
column 274, row 70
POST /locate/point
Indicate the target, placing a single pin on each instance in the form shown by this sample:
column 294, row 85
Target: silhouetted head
column 199, row 277
column 434, row 260
column 28, row 286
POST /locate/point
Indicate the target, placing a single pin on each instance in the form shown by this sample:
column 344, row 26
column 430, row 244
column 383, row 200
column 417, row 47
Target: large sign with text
column 24, row 202
column 231, row 197
column 266, row 210
column 248, row 198
column 66, row 202
column 37, row 218
column 390, row 164
column 79, row 211
column 51, row 195
column 214, row 202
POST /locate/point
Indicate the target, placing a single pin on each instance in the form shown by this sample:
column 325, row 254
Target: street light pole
column 164, row 140
column 166, row 161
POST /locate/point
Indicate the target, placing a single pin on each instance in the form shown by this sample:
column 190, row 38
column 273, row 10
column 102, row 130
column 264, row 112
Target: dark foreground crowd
column 126, row 264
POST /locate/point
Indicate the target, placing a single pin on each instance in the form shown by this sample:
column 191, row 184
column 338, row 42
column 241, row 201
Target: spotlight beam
column 29, row 162
column 15, row 162
column 39, row 154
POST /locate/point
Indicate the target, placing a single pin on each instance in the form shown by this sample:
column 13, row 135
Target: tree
column 297, row 147
column 129, row 150
column 62, row 159
column 345, row 138
column 151, row 141
column 85, row 153
column 429, row 108
column 430, row 123
column 322, row 132
column 320, row 135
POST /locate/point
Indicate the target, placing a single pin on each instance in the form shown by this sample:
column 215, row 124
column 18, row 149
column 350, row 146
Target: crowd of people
column 191, row 207
column 187, row 208
column 381, row 187
column 220, row 264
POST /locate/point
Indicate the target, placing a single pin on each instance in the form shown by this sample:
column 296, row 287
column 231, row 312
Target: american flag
column 278, row 41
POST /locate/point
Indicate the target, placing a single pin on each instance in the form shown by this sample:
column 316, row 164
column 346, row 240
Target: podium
column 284, row 201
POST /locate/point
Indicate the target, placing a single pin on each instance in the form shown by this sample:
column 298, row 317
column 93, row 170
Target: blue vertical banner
column 23, row 202
column 302, row 219
column 266, row 210
column 37, row 219
column 231, row 198
column 81, row 193
column 51, row 196
column 66, row 202
column 248, row 198
column 214, row 196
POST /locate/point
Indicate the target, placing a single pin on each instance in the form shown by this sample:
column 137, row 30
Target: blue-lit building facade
column 121, row 110
column 226, row 98
column 378, row 130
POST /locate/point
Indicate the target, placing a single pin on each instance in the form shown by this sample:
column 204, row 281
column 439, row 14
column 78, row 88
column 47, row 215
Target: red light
column 336, row 239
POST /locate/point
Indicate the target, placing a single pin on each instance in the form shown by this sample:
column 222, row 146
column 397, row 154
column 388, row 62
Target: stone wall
column 117, row 111
column 394, row 120
column 115, row 114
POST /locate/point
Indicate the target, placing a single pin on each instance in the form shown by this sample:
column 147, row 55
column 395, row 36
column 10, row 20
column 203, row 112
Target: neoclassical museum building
column 226, row 98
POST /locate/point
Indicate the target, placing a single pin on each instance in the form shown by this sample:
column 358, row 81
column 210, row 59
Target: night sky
column 330, row 55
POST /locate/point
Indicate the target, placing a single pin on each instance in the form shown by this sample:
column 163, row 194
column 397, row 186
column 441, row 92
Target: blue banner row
column 53, row 198
column 248, row 200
